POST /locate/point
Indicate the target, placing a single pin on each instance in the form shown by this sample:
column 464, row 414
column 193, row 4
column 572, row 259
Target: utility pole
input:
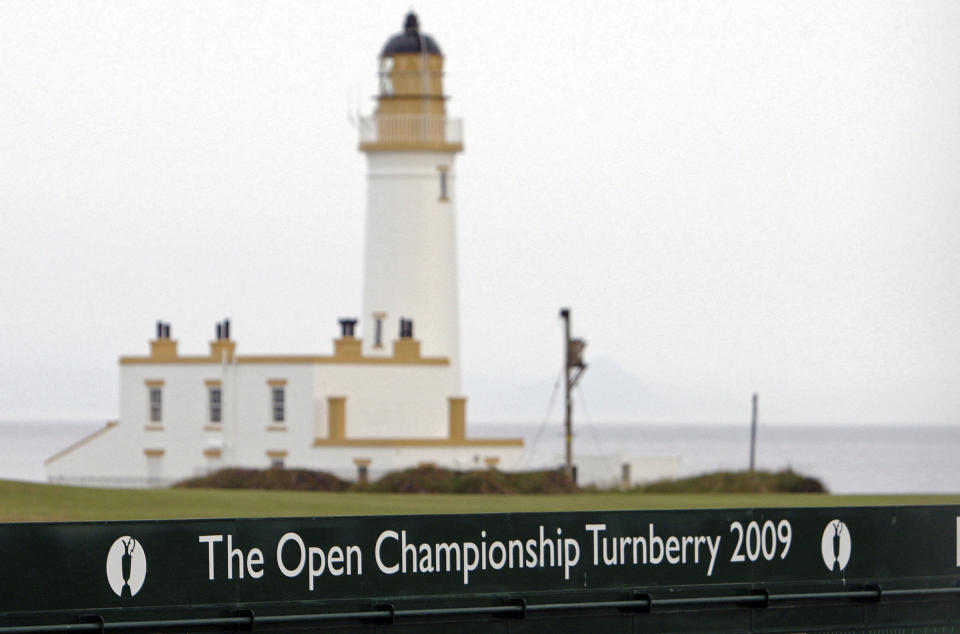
column 753, row 434
column 573, row 368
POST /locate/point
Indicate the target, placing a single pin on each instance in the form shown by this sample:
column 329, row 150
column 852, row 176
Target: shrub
column 438, row 480
column 786, row 481
column 286, row 479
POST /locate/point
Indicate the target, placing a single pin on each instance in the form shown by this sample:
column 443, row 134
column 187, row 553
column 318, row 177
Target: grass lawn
column 24, row 502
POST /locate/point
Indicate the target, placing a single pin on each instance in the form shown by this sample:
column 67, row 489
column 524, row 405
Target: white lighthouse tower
column 411, row 255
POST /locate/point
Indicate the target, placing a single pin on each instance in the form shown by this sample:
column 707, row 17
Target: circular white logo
column 835, row 545
column 126, row 566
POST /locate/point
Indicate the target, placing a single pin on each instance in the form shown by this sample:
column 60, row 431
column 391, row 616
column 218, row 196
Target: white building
column 375, row 404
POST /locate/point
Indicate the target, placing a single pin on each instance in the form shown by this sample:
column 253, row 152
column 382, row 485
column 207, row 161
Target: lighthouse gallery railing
column 410, row 129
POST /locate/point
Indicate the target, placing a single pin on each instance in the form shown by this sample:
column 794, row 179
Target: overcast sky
column 731, row 197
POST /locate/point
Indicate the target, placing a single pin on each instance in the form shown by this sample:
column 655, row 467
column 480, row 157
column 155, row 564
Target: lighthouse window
column 378, row 332
column 386, row 82
column 277, row 400
column 443, row 183
column 215, row 404
column 156, row 405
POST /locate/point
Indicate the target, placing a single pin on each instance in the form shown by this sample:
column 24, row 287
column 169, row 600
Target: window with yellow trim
column 278, row 403
column 215, row 400
column 156, row 404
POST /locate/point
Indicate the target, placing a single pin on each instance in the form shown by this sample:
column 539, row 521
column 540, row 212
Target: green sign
column 258, row 563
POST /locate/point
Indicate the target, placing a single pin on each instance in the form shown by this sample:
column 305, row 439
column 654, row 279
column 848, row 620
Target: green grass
column 21, row 502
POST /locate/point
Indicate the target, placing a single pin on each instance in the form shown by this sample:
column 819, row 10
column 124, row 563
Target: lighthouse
column 410, row 257
column 388, row 400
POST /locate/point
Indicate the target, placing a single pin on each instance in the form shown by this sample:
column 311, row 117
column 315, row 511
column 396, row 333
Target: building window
column 277, row 458
column 277, row 401
column 386, row 81
column 216, row 408
column 156, row 404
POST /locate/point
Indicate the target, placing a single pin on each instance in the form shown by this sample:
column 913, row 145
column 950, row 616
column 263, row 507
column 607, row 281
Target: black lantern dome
column 411, row 40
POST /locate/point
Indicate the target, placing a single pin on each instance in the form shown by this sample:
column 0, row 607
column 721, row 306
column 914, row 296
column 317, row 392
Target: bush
column 438, row 480
column 786, row 481
column 286, row 479
column 491, row 481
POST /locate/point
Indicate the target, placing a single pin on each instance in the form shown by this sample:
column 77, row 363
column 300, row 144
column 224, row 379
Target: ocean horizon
column 847, row 458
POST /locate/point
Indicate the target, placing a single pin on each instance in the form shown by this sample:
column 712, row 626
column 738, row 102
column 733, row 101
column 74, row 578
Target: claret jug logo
column 835, row 545
column 126, row 566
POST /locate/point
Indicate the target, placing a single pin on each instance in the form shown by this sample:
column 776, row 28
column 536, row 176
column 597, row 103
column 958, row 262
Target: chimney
column 163, row 347
column 219, row 331
column 347, row 326
column 406, row 348
column 226, row 328
column 347, row 347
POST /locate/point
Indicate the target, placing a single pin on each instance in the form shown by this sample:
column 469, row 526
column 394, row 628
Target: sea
column 848, row 459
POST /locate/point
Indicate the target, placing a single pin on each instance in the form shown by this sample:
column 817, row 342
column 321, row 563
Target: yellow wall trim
column 277, row 453
column 491, row 461
column 223, row 350
column 153, row 382
column 163, row 349
column 153, row 428
column 276, row 382
column 276, row 428
column 212, row 452
column 457, row 411
column 406, row 349
column 417, row 442
column 411, row 147
column 362, row 462
column 154, row 452
column 347, row 349
column 214, row 427
column 336, row 417
column 212, row 382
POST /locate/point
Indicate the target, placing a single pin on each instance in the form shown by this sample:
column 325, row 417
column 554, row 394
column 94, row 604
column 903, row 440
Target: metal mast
column 753, row 434
column 573, row 368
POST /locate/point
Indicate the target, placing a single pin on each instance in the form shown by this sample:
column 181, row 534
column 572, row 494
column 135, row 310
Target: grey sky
column 732, row 197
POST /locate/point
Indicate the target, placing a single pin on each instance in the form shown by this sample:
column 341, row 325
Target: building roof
column 411, row 40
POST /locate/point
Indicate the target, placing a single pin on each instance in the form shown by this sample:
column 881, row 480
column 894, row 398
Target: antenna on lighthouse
column 353, row 112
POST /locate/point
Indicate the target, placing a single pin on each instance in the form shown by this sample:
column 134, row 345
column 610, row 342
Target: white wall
column 388, row 401
column 410, row 255
column 382, row 401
